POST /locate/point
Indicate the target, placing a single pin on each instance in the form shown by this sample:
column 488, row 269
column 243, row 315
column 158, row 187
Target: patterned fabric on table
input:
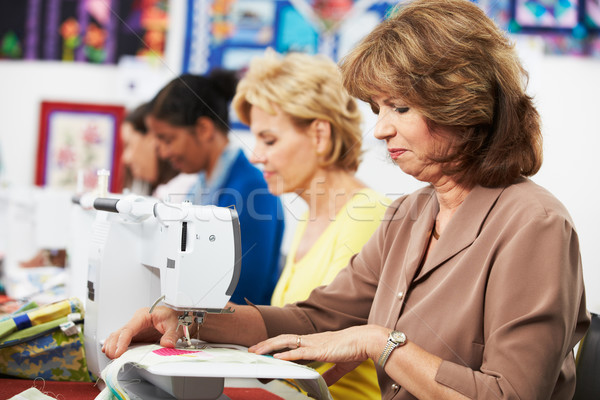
column 45, row 342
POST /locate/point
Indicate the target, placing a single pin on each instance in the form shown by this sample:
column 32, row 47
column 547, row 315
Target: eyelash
column 399, row 110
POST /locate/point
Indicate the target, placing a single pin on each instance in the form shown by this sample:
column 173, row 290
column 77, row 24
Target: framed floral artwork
column 75, row 142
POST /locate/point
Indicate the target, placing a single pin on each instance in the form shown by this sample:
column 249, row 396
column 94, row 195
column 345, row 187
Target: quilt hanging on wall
column 566, row 26
column 228, row 33
column 95, row 31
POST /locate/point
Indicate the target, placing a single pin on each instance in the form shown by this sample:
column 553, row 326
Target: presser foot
column 188, row 317
column 186, row 320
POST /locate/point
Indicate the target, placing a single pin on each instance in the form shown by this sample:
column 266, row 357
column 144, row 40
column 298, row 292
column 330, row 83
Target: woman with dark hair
column 145, row 172
column 472, row 287
column 189, row 118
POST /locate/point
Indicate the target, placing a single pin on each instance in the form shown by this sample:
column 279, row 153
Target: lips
column 395, row 153
column 176, row 164
column 268, row 174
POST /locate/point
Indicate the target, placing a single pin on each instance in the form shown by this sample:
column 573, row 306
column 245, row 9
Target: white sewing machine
column 144, row 250
column 188, row 256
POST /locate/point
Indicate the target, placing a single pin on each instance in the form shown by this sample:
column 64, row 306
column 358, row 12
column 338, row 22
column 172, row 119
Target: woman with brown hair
column 472, row 287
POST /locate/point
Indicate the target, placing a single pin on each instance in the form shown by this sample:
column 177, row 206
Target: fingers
column 143, row 327
column 335, row 373
column 277, row 343
column 170, row 337
column 117, row 343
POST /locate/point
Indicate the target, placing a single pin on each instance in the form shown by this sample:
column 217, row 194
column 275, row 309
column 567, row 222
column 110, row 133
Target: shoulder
column 531, row 200
column 245, row 175
column 366, row 205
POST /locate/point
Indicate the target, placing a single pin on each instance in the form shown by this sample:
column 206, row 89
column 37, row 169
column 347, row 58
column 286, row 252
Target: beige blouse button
column 400, row 295
column 395, row 386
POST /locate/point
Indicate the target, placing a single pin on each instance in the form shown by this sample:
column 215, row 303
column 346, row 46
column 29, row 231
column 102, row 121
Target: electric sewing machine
column 190, row 258
column 143, row 250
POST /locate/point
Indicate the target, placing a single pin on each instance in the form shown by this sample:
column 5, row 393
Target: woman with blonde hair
column 308, row 140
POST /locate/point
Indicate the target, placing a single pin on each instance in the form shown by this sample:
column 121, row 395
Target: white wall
column 565, row 89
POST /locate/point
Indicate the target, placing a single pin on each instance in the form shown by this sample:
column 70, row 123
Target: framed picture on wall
column 76, row 141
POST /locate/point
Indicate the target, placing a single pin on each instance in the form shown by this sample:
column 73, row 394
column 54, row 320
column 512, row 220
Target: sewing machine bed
column 153, row 372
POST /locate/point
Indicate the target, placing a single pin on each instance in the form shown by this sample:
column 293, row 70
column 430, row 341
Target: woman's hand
column 346, row 348
column 144, row 327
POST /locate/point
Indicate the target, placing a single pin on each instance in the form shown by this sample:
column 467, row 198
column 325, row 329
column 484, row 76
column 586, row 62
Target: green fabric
column 44, row 350
column 33, row 331
column 7, row 327
column 28, row 306
column 39, row 316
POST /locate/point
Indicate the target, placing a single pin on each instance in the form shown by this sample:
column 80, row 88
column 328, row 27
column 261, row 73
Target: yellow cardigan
column 344, row 236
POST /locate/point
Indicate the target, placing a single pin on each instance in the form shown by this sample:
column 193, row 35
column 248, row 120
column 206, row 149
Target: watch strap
column 390, row 346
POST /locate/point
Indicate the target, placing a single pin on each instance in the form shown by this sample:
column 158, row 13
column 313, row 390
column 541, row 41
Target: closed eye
column 374, row 108
column 401, row 110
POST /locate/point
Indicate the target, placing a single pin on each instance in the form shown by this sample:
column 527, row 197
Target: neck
column 450, row 196
column 329, row 190
column 218, row 145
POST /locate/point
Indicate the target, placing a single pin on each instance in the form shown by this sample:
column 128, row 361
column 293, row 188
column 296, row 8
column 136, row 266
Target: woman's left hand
column 346, row 348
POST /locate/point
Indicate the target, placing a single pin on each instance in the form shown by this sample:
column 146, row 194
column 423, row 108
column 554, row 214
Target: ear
column 204, row 129
column 322, row 135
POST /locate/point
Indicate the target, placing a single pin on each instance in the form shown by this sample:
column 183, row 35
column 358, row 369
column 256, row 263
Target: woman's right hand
column 144, row 327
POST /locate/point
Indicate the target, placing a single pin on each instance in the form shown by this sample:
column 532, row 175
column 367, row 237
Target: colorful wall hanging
column 566, row 26
column 78, row 137
column 96, row 31
column 228, row 33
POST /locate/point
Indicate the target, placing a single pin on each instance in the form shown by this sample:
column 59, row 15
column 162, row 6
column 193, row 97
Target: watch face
column 398, row 337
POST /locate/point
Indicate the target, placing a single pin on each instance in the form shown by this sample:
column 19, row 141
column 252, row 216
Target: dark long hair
column 189, row 97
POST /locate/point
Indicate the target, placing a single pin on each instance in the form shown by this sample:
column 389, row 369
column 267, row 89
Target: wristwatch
column 396, row 339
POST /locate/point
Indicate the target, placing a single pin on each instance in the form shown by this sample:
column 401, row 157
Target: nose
column 162, row 149
column 257, row 156
column 383, row 130
column 126, row 156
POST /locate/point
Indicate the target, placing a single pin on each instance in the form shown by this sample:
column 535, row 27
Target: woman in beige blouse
column 472, row 287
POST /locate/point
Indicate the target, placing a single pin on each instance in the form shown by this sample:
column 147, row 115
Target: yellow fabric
column 353, row 226
column 50, row 312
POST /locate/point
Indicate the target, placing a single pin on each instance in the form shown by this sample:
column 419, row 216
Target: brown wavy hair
column 448, row 60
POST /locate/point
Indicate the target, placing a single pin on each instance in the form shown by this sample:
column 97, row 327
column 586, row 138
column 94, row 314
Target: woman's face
column 288, row 155
column 178, row 145
column 139, row 154
column 409, row 141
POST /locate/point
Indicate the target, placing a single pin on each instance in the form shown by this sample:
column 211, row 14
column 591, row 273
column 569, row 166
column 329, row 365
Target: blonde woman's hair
column 448, row 60
column 306, row 88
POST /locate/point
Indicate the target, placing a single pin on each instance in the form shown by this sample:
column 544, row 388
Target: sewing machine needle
column 186, row 332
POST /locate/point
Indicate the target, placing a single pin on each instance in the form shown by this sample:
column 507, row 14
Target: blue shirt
column 238, row 183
